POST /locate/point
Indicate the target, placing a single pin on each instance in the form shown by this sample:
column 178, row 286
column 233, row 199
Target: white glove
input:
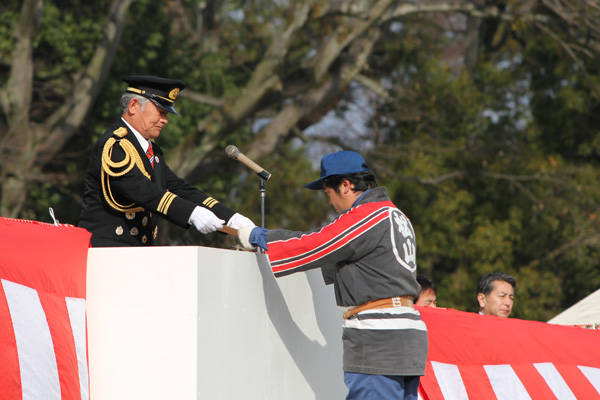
column 238, row 221
column 244, row 237
column 205, row 220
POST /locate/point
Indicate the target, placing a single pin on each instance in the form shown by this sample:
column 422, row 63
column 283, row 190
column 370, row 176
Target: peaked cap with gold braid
column 162, row 92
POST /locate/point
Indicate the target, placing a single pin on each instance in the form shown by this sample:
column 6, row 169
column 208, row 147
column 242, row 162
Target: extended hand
column 244, row 237
column 205, row 220
column 238, row 221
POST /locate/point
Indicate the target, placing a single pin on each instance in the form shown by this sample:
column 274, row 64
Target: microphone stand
column 263, row 190
column 263, row 175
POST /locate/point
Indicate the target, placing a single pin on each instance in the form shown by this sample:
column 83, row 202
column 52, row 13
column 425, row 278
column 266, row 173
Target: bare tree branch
column 314, row 99
column 579, row 241
column 202, row 98
column 264, row 80
column 16, row 103
column 373, row 86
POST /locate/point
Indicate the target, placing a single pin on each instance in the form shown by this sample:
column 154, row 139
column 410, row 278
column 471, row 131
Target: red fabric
column 471, row 342
column 44, row 256
column 51, row 260
column 534, row 383
column 10, row 378
column 581, row 387
column 64, row 345
column 474, row 377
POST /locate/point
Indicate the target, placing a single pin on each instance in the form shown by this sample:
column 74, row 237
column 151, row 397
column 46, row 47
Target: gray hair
column 127, row 97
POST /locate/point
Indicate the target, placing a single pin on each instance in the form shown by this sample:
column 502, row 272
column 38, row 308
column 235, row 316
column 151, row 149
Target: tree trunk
column 27, row 146
column 19, row 139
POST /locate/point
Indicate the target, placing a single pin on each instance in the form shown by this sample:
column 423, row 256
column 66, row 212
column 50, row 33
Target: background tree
column 478, row 116
column 488, row 164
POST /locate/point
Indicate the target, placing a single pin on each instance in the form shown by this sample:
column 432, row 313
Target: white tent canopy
column 584, row 312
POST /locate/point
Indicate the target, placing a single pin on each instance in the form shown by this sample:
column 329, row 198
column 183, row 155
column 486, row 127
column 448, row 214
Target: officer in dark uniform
column 128, row 184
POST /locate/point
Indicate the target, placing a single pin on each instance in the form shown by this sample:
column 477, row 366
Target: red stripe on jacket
column 295, row 252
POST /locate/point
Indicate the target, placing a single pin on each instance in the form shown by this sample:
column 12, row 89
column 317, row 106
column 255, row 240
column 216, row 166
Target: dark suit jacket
column 122, row 207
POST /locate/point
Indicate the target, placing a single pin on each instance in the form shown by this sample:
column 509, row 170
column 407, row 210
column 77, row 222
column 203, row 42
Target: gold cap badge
column 173, row 93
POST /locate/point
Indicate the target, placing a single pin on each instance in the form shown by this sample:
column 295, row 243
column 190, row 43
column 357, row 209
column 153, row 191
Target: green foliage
column 9, row 14
column 564, row 101
column 67, row 39
column 497, row 167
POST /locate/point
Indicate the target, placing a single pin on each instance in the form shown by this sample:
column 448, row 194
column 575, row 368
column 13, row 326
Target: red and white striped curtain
column 43, row 344
column 474, row 356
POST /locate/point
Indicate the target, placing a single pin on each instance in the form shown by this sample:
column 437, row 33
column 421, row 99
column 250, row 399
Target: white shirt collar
column 143, row 141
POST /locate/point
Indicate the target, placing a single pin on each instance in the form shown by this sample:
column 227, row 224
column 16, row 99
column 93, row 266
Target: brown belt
column 400, row 301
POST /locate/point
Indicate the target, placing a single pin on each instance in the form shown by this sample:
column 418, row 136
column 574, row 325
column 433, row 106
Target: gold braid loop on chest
column 110, row 167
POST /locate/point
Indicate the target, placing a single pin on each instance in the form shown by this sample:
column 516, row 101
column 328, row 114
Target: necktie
column 150, row 155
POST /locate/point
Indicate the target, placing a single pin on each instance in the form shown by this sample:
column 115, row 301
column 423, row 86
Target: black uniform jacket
column 124, row 195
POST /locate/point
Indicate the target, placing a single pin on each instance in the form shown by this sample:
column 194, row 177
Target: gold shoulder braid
column 120, row 132
column 132, row 158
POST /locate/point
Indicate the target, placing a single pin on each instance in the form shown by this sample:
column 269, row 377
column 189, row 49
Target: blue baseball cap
column 340, row 163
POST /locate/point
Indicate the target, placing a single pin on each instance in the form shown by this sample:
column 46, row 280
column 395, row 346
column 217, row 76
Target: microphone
column 234, row 153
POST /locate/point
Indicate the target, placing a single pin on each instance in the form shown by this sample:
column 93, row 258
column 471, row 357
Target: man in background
column 427, row 297
column 496, row 293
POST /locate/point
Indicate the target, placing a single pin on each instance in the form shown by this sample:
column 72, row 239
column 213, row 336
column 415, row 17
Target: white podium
column 204, row 323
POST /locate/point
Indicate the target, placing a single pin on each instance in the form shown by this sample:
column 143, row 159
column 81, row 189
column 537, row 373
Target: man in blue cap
column 368, row 252
column 128, row 184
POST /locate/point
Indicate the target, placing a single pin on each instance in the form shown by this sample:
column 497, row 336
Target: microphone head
column 232, row 151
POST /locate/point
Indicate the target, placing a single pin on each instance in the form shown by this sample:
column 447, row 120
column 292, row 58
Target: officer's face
column 150, row 119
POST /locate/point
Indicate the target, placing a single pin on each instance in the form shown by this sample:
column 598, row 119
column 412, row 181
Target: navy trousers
column 381, row 387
